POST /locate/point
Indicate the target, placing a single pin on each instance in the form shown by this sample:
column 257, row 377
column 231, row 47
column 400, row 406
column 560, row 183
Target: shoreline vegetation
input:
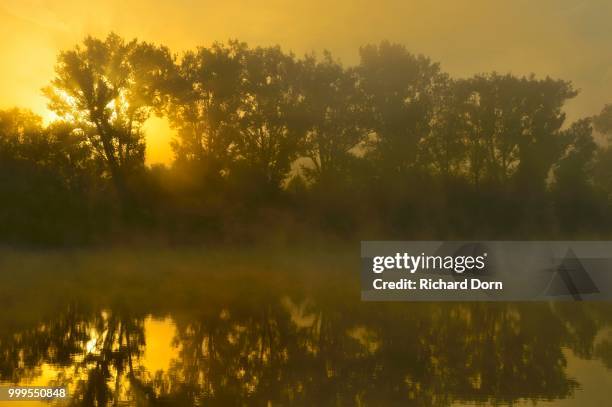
column 271, row 147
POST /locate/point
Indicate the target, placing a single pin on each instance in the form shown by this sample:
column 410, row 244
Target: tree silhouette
column 603, row 121
column 271, row 123
column 322, row 349
column 108, row 90
column 334, row 108
column 575, row 199
column 399, row 90
column 206, row 107
column 391, row 146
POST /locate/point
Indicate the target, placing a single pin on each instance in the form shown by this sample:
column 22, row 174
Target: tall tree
column 206, row 103
column 511, row 127
column 444, row 148
column 272, row 125
column 573, row 192
column 108, row 89
column 334, row 112
column 400, row 92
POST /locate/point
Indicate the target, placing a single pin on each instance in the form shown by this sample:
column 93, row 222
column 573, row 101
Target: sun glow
column 158, row 134
column 36, row 31
column 49, row 117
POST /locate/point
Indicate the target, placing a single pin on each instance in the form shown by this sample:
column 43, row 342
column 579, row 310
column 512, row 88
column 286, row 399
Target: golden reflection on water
column 258, row 337
column 159, row 353
column 162, row 351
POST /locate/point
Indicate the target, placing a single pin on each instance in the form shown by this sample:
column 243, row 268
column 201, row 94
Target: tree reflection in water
column 248, row 329
column 275, row 349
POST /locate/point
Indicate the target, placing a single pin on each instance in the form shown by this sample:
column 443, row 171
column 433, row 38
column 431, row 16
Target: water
column 281, row 327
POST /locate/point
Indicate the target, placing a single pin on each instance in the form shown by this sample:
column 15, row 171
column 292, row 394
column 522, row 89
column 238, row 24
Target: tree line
column 267, row 142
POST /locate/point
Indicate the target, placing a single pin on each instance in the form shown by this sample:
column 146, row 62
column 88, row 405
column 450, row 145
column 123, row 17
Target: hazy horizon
column 563, row 39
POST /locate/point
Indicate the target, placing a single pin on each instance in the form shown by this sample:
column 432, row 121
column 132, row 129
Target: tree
column 603, row 121
column 45, row 176
column 444, row 148
column 400, row 89
column 272, row 125
column 17, row 127
column 334, row 109
column 511, row 126
column 108, row 89
column 602, row 168
column 205, row 106
column 574, row 196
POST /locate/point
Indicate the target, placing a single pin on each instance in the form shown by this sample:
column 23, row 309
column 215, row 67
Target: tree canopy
column 392, row 146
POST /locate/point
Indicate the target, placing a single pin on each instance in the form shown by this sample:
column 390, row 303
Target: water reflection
column 270, row 346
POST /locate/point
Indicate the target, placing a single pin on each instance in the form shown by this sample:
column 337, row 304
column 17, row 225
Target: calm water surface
column 223, row 327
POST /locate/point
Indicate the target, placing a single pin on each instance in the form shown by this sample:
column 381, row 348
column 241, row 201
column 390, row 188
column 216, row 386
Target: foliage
column 269, row 143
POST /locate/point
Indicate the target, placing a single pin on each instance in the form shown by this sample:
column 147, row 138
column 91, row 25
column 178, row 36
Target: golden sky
column 568, row 39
